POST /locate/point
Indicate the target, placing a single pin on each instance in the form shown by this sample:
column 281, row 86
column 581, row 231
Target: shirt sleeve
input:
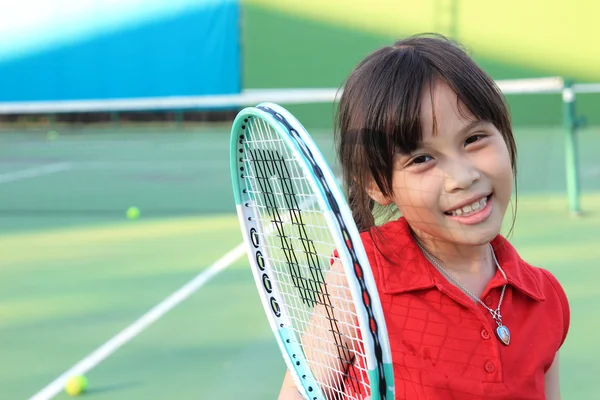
column 566, row 311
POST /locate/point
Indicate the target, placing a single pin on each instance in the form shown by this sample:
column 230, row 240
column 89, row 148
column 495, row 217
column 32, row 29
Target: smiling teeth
column 469, row 208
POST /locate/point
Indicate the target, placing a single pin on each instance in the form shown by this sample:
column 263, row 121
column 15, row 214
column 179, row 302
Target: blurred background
column 115, row 189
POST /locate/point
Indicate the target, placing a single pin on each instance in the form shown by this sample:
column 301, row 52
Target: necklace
column 502, row 331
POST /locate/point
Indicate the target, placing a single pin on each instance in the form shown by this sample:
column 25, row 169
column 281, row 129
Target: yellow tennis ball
column 133, row 213
column 76, row 385
column 84, row 382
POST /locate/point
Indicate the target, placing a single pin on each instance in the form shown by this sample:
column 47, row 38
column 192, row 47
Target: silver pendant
column 503, row 334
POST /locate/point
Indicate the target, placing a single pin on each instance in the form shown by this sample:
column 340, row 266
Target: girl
column 422, row 130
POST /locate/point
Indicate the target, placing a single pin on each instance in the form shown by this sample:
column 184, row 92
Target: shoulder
column 397, row 232
column 551, row 284
column 553, row 290
column 537, row 283
column 548, row 284
column 396, row 261
column 383, row 244
column 551, row 293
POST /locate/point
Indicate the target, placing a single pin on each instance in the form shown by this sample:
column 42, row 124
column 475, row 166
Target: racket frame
column 310, row 159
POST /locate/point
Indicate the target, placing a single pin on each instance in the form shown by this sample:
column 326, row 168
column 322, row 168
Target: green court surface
column 74, row 271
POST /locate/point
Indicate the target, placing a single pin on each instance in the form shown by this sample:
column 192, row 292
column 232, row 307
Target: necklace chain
column 495, row 313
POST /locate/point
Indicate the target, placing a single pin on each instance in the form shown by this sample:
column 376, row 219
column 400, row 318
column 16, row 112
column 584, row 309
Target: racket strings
column 265, row 163
column 313, row 291
column 300, row 249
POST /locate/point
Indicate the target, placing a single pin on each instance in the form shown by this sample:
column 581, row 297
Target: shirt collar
column 404, row 268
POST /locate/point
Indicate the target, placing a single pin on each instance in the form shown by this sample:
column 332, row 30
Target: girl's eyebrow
column 472, row 125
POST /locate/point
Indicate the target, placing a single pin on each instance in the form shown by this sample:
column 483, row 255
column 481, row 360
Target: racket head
column 267, row 140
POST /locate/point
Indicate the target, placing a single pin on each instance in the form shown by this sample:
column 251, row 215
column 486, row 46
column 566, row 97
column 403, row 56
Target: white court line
column 142, row 323
column 34, row 172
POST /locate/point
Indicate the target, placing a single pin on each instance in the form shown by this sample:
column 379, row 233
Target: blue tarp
column 150, row 48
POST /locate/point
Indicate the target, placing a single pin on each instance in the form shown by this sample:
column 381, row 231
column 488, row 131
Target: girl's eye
column 420, row 159
column 473, row 139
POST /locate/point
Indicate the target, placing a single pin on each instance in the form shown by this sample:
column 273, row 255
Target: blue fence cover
column 106, row 49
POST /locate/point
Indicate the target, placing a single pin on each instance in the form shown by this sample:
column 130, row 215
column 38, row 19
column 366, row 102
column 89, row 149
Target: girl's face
column 456, row 186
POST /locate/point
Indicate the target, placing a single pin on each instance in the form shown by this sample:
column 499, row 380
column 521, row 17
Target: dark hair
column 379, row 111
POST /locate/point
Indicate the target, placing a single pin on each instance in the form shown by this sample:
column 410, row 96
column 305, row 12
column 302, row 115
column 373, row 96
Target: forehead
column 442, row 112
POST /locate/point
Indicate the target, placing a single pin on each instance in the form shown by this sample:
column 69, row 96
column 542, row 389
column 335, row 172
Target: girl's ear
column 377, row 195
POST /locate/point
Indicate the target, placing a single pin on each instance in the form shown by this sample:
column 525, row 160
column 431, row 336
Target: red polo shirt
column 443, row 343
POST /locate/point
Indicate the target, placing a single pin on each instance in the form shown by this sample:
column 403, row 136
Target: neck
column 457, row 258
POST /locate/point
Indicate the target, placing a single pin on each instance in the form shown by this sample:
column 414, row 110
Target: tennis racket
column 307, row 258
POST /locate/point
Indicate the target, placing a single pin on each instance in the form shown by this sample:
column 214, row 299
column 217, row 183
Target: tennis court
column 79, row 281
column 76, row 271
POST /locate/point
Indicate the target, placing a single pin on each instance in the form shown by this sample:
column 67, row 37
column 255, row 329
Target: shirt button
column 488, row 300
column 490, row 367
column 485, row 334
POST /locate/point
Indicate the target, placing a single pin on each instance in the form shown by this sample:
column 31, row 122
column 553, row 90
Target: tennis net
column 167, row 170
